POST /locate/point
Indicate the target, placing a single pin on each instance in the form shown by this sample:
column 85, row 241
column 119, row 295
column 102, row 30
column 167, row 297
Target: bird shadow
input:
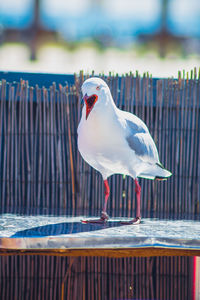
column 62, row 228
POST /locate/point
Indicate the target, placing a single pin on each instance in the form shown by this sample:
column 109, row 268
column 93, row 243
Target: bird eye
column 98, row 88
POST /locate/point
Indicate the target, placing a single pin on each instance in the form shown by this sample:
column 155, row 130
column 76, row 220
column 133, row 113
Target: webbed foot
column 135, row 221
column 102, row 220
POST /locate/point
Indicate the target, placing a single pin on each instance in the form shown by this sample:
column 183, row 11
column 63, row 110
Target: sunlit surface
column 69, row 232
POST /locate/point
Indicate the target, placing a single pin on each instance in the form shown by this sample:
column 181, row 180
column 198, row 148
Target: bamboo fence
column 41, row 169
column 42, row 172
column 95, row 278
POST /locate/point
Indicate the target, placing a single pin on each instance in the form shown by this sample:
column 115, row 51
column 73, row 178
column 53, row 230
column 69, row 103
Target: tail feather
column 160, row 178
column 156, row 171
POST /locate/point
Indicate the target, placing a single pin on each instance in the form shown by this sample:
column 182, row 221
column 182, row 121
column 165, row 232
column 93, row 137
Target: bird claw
column 102, row 220
column 135, row 221
column 104, row 216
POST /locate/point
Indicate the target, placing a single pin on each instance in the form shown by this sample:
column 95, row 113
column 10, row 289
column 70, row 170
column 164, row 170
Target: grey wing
column 140, row 141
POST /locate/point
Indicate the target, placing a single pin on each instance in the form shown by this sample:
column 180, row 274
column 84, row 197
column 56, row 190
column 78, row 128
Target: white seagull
column 113, row 141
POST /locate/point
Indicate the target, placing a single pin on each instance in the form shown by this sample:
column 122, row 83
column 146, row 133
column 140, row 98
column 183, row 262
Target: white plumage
column 114, row 141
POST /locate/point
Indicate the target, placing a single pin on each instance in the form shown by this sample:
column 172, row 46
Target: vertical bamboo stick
column 3, row 132
column 52, row 148
column 12, row 179
column 27, row 146
column 189, row 120
column 59, row 171
column 8, row 142
column 40, row 147
column 197, row 143
column 70, row 153
column 166, row 144
column 56, row 146
column 177, row 149
column 191, row 166
column 64, row 164
column 22, row 138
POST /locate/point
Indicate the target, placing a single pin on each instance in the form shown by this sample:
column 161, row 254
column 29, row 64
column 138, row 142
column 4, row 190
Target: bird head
column 93, row 89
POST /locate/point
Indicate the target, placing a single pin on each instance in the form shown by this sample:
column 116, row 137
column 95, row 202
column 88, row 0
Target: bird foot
column 102, row 220
column 135, row 221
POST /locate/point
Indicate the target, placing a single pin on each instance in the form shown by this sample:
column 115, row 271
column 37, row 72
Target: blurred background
column 60, row 36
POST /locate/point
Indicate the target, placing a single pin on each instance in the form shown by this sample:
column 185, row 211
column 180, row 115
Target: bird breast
column 98, row 133
column 102, row 143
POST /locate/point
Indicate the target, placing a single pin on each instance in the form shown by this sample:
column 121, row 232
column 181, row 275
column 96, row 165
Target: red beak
column 90, row 102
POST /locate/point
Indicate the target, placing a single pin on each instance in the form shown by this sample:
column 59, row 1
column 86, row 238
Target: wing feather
column 140, row 140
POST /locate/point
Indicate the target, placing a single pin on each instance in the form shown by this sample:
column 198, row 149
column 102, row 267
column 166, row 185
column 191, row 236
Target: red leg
column 136, row 220
column 138, row 192
column 104, row 215
column 107, row 194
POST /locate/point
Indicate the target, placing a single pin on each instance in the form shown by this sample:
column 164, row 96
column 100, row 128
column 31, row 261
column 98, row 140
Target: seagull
column 114, row 141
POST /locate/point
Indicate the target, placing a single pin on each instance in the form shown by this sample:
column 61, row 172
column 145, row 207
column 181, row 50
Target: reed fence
column 95, row 278
column 41, row 168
